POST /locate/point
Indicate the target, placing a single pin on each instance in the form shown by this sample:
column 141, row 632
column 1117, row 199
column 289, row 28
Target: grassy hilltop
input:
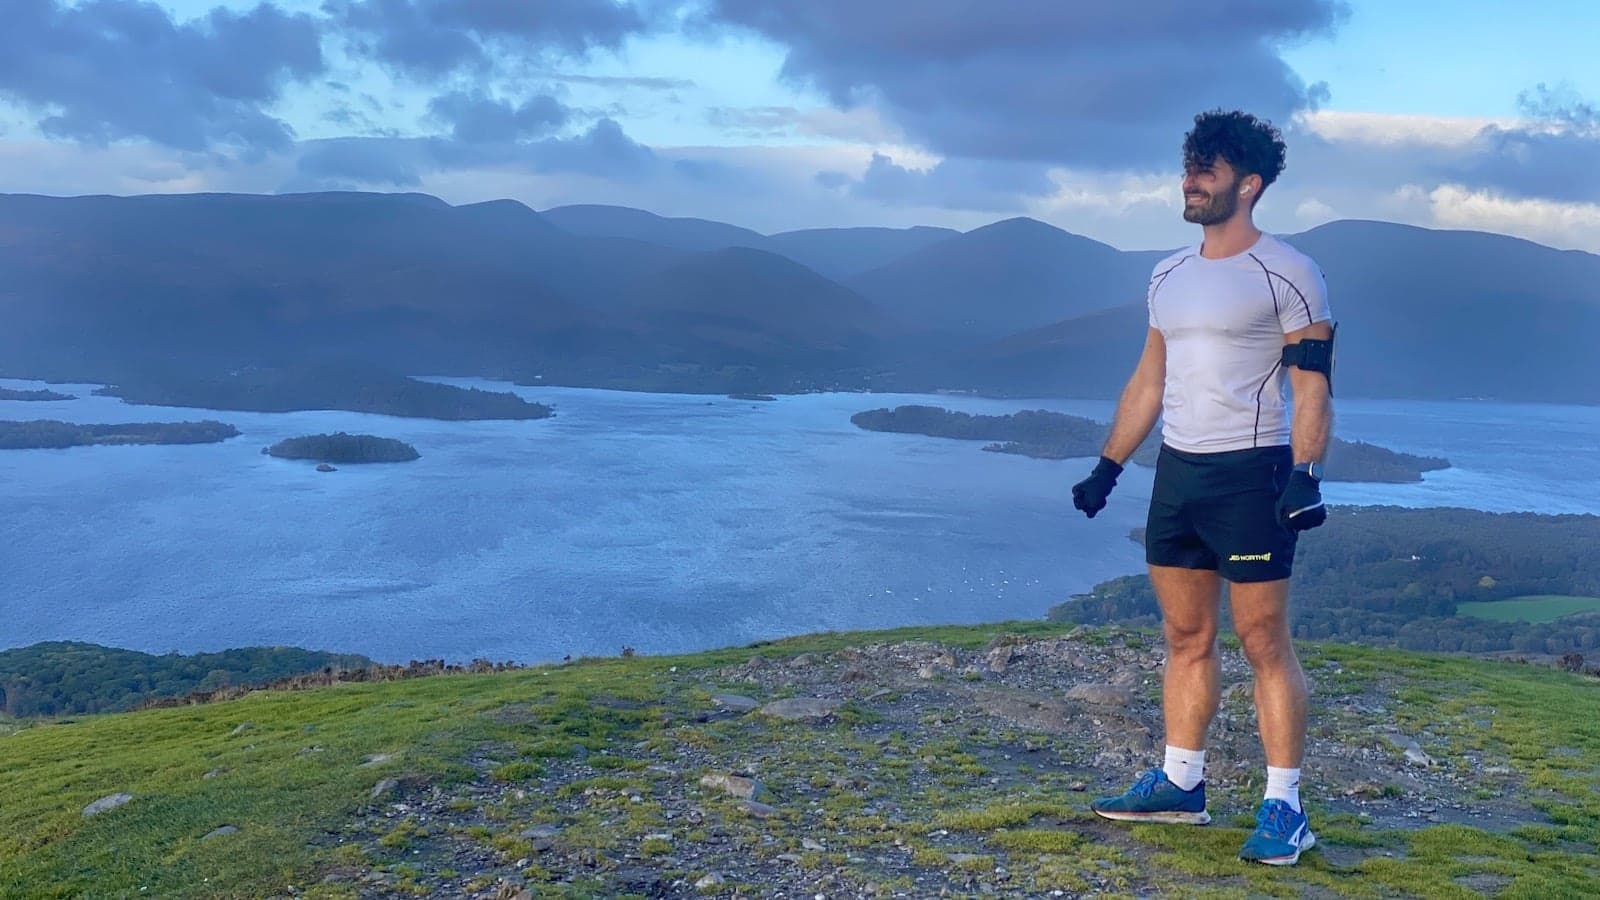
column 908, row 761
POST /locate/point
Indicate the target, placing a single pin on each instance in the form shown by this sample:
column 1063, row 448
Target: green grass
column 1533, row 609
column 287, row 799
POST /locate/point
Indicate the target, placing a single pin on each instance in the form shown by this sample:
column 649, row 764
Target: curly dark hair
column 1250, row 145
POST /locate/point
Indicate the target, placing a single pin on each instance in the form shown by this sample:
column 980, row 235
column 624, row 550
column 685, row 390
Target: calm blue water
column 663, row 522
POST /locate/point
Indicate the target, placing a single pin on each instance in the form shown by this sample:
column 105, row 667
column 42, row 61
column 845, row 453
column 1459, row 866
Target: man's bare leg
column 1261, row 618
column 1190, row 691
column 1174, row 792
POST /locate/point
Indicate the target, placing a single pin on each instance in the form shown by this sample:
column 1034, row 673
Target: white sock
column 1284, row 784
column 1184, row 768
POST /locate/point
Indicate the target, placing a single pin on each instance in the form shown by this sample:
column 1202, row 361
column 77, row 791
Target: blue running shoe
column 1281, row 835
column 1154, row 798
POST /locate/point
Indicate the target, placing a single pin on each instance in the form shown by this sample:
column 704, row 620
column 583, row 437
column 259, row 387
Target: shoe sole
column 1291, row 859
column 1159, row 818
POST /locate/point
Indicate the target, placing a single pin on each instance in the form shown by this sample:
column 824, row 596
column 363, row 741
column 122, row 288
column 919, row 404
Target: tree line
column 1393, row 577
column 71, row 678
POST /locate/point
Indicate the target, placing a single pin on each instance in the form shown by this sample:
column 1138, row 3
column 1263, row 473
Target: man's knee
column 1189, row 607
column 1266, row 642
column 1190, row 641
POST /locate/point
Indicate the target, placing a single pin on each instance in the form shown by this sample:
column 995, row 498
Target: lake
column 664, row 522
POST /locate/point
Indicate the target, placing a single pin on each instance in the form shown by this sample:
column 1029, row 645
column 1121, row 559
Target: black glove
column 1300, row 507
column 1090, row 494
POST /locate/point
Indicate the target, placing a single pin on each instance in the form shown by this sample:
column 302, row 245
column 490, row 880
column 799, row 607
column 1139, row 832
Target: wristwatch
column 1314, row 469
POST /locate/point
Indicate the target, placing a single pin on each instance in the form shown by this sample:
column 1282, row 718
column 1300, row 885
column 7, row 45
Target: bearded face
column 1210, row 207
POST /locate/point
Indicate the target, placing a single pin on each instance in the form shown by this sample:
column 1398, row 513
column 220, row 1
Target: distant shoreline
column 49, row 434
column 1045, row 434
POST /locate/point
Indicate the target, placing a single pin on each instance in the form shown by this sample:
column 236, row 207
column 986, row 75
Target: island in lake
column 48, row 434
column 13, row 394
column 343, row 448
column 349, row 388
column 1043, row 434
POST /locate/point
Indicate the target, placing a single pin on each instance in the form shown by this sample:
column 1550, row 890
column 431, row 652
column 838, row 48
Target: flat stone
column 542, row 837
column 109, row 802
column 805, row 709
column 759, row 810
column 241, row 728
column 711, row 879
column 1101, row 694
column 219, row 832
column 1031, row 711
column 1416, row 757
column 810, row 844
column 377, row 759
column 735, row 785
column 384, row 787
column 736, row 702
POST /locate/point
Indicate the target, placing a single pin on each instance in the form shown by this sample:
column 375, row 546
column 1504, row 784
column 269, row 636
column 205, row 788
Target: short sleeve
column 1302, row 298
column 1156, row 276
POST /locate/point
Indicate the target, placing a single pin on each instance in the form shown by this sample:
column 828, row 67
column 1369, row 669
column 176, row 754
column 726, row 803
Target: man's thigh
column 1189, row 598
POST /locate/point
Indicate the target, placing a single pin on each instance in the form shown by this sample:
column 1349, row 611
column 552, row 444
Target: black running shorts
column 1220, row 511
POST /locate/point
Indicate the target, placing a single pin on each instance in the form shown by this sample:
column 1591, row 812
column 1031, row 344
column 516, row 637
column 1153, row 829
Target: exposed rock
column 735, row 702
column 542, row 837
column 805, row 709
column 710, row 880
column 241, row 728
column 324, row 467
column 757, row 809
column 106, row 803
column 1101, row 694
column 219, row 832
column 735, row 785
column 1031, row 711
column 384, row 787
column 1000, row 657
column 377, row 759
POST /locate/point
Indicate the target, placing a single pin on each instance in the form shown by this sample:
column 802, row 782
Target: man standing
column 1235, row 482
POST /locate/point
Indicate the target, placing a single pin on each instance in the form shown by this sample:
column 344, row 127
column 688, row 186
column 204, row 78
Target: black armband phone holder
column 1313, row 355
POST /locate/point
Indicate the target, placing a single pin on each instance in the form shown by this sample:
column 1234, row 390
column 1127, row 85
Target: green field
column 291, row 770
column 1536, row 609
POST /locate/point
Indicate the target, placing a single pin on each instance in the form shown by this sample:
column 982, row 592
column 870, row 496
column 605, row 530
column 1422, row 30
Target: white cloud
column 1570, row 226
column 1314, row 212
column 1387, row 129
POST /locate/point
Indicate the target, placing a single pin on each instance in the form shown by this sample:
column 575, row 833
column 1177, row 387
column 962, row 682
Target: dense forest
column 68, row 677
column 350, row 388
column 50, row 434
column 344, row 448
column 13, row 394
column 1393, row 577
column 1051, row 435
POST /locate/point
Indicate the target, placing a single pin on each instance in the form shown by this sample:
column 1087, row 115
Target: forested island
column 1398, row 577
column 1043, row 434
column 70, row 677
column 48, row 434
column 340, row 447
column 13, row 394
column 349, row 388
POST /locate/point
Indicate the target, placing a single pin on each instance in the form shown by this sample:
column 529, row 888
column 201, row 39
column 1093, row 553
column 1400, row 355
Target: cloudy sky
column 775, row 114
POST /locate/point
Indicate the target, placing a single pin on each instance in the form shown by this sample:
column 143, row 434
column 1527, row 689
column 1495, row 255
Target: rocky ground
column 916, row 769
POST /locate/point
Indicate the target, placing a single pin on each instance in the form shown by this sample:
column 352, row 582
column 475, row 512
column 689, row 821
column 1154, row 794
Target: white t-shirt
column 1224, row 321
